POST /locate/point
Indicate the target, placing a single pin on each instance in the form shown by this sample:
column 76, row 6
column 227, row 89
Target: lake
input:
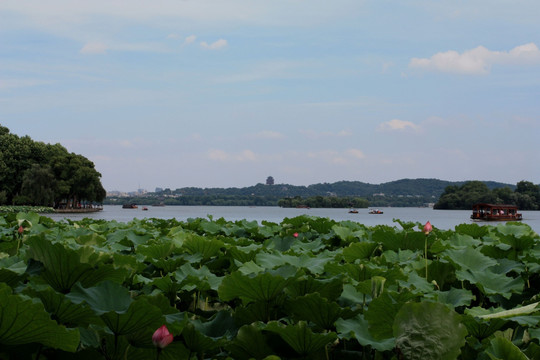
column 442, row 219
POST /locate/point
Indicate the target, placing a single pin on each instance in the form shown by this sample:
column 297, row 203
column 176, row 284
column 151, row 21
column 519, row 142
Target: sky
column 213, row 93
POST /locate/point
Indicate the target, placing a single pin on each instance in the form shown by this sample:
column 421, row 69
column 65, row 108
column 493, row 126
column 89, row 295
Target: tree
column 38, row 185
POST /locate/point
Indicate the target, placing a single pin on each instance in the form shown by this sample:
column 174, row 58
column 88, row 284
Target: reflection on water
column 442, row 219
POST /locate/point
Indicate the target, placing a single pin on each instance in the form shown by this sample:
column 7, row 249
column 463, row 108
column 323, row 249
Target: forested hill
column 404, row 192
column 404, row 187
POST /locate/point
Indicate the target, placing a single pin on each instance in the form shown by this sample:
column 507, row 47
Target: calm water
column 442, row 219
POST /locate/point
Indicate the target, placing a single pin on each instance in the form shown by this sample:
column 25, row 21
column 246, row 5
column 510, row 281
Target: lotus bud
column 162, row 337
column 428, row 228
column 21, row 230
column 295, row 234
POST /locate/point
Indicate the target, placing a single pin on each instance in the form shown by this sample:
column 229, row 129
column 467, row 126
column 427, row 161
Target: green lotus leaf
column 394, row 240
column 250, row 267
column 300, row 337
column 382, row 311
column 102, row 298
column 313, row 307
column 470, row 259
column 473, row 230
column 207, row 247
column 243, row 254
column 428, row 330
column 250, row 343
column 140, row 315
column 30, row 218
column 24, row 321
column 263, row 287
column 258, row 311
column 347, row 234
column 203, row 278
column 196, row 341
column 156, row 251
column 62, row 308
column 359, row 250
column 63, row 267
column 482, row 329
column 503, row 349
column 454, row 297
column 330, row 288
column 313, row 263
column 12, row 270
column 357, row 328
column 491, row 283
column 131, row 237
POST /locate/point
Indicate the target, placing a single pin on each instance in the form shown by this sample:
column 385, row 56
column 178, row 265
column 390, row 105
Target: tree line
column 526, row 196
column 324, row 202
column 39, row 174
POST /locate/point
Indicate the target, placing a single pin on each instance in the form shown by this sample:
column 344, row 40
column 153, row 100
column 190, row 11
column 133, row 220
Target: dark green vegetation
column 526, row 196
column 34, row 173
column 308, row 288
column 324, row 202
column 400, row 193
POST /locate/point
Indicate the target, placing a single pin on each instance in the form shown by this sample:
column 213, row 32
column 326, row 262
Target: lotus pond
column 306, row 288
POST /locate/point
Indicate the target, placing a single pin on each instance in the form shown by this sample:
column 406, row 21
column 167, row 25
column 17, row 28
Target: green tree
column 38, row 185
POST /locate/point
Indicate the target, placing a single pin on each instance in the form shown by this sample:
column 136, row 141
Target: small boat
column 375, row 211
column 129, row 206
column 495, row 212
column 145, row 208
column 353, row 211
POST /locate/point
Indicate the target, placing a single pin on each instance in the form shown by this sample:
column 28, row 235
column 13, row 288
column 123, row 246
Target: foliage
column 307, row 288
column 400, row 193
column 526, row 196
column 34, row 173
column 324, row 202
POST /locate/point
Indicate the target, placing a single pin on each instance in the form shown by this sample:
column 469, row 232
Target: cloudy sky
column 213, row 93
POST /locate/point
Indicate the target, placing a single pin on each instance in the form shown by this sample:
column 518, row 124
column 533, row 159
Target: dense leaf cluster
column 324, row 202
column 34, row 173
column 526, row 196
column 308, row 288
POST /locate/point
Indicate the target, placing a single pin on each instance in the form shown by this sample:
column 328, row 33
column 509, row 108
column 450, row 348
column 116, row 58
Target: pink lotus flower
column 428, row 228
column 21, row 230
column 295, row 234
column 162, row 337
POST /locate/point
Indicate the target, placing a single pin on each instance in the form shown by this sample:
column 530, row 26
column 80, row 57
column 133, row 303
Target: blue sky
column 213, row 93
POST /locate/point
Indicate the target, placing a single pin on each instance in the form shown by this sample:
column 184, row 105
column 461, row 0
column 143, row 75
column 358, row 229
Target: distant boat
column 353, row 211
column 160, row 204
column 145, row 208
column 375, row 211
column 302, row 207
column 493, row 212
column 129, row 206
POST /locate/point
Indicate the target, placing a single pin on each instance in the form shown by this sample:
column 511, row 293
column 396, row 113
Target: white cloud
column 219, row 44
column 91, row 48
column 313, row 135
column 356, row 153
column 477, row 61
column 268, row 134
column 189, row 39
column 398, row 125
column 223, row 156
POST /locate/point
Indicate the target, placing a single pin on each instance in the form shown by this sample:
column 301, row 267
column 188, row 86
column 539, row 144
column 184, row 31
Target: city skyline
column 212, row 94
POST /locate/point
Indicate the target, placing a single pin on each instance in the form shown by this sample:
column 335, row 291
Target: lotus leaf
column 428, row 331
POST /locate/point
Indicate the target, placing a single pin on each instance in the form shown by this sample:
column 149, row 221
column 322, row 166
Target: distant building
column 158, row 189
column 269, row 180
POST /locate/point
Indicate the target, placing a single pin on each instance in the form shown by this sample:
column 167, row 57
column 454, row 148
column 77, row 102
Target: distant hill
column 404, row 192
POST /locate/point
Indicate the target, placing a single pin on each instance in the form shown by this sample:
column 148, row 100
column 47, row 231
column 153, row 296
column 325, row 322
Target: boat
column 353, row 211
column 375, row 211
column 129, row 206
column 495, row 212
column 145, row 208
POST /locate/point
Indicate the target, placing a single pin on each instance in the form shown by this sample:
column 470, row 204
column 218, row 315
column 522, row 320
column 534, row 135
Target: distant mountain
column 411, row 187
